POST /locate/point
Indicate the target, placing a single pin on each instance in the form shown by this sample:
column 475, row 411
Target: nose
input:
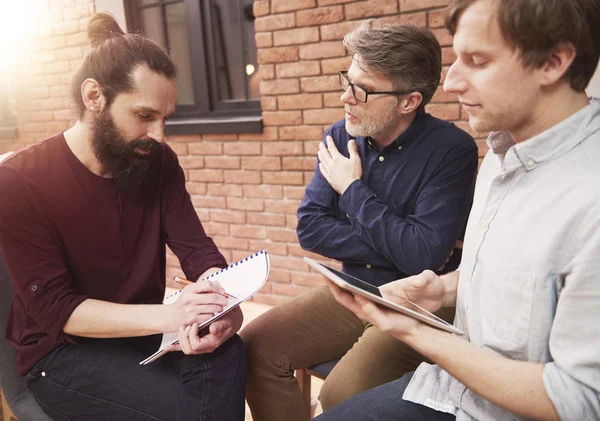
column 157, row 131
column 348, row 97
column 455, row 81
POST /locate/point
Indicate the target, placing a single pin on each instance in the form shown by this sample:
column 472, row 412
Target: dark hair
column 536, row 27
column 409, row 56
column 114, row 56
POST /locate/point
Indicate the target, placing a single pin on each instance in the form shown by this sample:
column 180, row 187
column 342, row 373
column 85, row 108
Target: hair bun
column 101, row 27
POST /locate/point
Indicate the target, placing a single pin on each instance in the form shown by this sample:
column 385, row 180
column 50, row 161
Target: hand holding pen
column 184, row 282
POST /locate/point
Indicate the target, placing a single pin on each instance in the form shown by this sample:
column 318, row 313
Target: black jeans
column 101, row 379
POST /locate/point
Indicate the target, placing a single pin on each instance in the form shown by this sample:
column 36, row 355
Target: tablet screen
column 355, row 281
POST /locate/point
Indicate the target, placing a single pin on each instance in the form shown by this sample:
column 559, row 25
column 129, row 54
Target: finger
column 325, row 172
column 184, row 340
column 333, row 150
column 195, row 339
column 207, row 298
column 205, row 287
column 173, row 347
column 199, row 309
column 323, row 153
column 353, row 150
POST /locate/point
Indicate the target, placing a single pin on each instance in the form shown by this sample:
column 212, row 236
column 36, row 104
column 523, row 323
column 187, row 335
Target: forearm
column 102, row 319
column 451, row 286
column 516, row 386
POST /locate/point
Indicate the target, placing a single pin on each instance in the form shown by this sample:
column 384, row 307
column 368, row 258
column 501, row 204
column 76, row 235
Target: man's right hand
column 425, row 289
column 198, row 303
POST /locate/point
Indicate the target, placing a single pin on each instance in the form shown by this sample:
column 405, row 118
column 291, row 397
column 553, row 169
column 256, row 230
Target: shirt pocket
column 507, row 295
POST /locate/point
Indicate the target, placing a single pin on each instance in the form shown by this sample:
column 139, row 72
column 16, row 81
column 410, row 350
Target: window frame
column 207, row 114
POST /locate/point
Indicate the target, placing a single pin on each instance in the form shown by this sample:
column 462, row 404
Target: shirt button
column 347, row 216
column 34, row 288
column 399, row 148
column 381, row 158
column 465, row 327
column 484, row 225
column 368, row 265
column 530, row 163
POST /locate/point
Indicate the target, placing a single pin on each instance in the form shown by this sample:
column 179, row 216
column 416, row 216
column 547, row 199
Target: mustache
column 146, row 144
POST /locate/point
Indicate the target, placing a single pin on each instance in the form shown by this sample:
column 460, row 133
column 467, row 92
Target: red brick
column 268, row 133
column 286, row 148
column 418, row 19
column 261, row 163
column 292, row 263
column 65, row 114
column 63, row 28
column 266, row 71
column 330, row 2
column 437, row 18
column 300, row 132
column 231, row 242
column 281, row 206
column 336, row 31
column 228, row 162
column 312, row 147
column 298, row 68
column 299, row 163
column 39, row 116
column 282, row 118
column 409, row 5
column 275, row 275
column 325, row 116
column 296, row 250
column 268, row 103
column 242, row 177
column 325, row 49
column 208, row 202
column 283, row 178
column 441, row 96
column 70, row 53
column 279, row 86
column 288, row 289
column 444, row 73
column 185, row 138
column 227, row 190
column 75, row 12
column 333, row 66
column 278, row 54
column 244, row 203
column 179, row 148
column 219, row 137
column 77, row 39
column 332, row 99
column 299, row 102
column 278, row 6
column 274, row 22
column 448, row 55
column 40, row 92
column 206, row 148
column 270, row 300
column 320, row 83
column 263, row 39
column 260, row 8
column 444, row 111
column 307, row 177
column 296, row 36
column 216, row 228
column 242, row 148
column 266, row 219
column 48, row 56
column 443, row 36
column 319, row 16
column 53, row 43
column 229, row 216
column 188, row 162
column 467, row 128
column 365, row 9
column 265, row 191
column 209, row 176
column 294, row 192
column 245, row 231
column 291, row 222
column 308, row 279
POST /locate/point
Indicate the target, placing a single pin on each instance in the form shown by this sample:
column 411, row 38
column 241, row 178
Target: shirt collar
column 548, row 145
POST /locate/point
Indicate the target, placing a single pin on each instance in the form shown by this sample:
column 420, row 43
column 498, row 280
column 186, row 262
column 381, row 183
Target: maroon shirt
column 67, row 234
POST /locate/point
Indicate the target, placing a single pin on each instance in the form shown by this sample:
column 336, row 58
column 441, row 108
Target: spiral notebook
column 242, row 280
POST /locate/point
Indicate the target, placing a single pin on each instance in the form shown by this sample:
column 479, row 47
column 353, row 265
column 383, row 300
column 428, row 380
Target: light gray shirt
column 529, row 284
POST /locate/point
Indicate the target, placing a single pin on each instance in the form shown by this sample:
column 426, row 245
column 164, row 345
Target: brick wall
column 245, row 187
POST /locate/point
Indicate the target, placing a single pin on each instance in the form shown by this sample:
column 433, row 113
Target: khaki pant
column 311, row 329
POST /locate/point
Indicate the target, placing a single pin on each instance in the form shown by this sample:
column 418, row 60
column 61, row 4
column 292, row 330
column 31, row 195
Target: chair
column 304, row 377
column 13, row 386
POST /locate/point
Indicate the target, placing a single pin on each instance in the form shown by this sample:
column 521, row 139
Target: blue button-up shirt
column 406, row 212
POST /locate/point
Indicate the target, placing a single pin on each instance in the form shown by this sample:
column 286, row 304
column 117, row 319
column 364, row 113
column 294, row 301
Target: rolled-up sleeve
column 32, row 253
column 572, row 380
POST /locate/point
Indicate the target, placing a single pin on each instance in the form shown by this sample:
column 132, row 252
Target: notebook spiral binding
column 258, row 253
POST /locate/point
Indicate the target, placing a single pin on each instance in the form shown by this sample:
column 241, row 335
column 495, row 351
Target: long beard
column 117, row 156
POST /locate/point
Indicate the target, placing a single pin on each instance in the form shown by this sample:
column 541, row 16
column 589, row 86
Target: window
column 8, row 129
column 213, row 44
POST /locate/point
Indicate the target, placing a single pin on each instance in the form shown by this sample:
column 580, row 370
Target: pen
column 183, row 281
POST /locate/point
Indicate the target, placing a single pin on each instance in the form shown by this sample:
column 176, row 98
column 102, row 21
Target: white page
column 242, row 280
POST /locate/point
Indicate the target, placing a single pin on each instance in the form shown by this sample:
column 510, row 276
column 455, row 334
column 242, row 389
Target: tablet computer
column 364, row 289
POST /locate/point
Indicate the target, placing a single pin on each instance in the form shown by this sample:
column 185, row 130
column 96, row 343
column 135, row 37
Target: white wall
column 594, row 86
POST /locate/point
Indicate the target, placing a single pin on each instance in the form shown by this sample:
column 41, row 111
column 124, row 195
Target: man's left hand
column 338, row 170
column 191, row 343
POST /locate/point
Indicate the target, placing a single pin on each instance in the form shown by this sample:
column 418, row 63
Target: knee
column 258, row 340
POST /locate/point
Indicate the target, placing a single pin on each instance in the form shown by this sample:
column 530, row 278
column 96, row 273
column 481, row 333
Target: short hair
column 536, row 27
column 113, row 58
column 409, row 56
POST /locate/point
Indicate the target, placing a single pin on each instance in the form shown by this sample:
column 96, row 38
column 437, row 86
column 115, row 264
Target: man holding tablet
column 389, row 198
column 528, row 292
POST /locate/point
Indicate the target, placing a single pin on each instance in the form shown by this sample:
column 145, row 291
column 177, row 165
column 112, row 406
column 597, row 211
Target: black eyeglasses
column 362, row 94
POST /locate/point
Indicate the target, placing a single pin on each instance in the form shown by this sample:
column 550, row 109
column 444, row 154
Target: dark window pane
column 180, row 49
column 152, row 25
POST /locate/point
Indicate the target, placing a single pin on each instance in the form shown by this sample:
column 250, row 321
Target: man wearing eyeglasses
column 389, row 198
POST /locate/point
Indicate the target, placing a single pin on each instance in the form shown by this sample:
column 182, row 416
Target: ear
column 91, row 94
column 558, row 63
column 410, row 103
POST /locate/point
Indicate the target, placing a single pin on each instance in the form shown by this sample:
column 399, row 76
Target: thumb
column 352, row 149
